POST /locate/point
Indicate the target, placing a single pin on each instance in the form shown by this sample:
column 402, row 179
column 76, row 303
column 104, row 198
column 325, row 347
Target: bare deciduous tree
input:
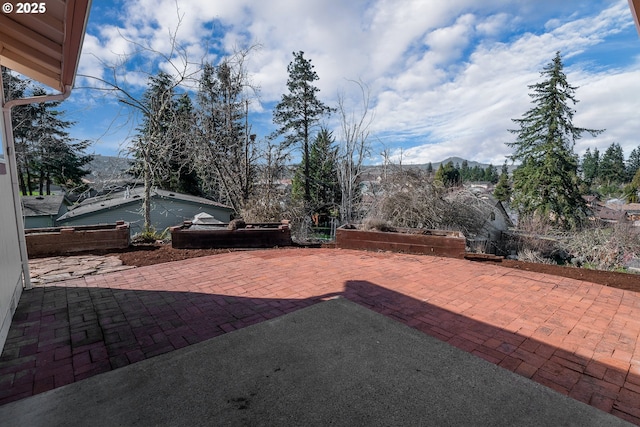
column 156, row 138
column 353, row 149
column 268, row 203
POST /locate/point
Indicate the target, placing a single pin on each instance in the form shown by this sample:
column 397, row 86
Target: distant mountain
column 372, row 171
column 455, row 160
column 108, row 171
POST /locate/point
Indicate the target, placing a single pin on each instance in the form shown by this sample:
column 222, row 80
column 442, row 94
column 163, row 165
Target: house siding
column 10, row 262
column 39, row 221
column 164, row 213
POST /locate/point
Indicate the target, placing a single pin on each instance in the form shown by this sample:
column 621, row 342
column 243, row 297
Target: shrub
column 150, row 236
column 376, row 224
column 536, row 240
column 604, row 247
column 412, row 200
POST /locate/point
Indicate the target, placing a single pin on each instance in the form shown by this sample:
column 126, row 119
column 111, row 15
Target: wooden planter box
column 413, row 241
column 81, row 238
column 217, row 236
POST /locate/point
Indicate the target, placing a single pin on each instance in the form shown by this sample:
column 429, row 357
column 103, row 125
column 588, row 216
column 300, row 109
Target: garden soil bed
column 141, row 255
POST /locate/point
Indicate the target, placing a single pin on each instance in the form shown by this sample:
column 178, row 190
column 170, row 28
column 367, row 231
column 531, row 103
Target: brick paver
column 578, row 338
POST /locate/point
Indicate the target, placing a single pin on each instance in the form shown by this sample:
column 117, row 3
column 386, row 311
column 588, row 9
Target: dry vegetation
column 602, row 247
column 411, row 199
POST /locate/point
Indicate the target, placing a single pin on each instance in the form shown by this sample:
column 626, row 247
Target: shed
column 42, row 211
column 167, row 209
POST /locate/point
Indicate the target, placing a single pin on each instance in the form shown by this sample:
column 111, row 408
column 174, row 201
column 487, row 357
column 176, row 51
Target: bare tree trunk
column 246, row 188
column 307, row 186
column 148, row 182
column 21, row 183
column 29, row 191
column 41, row 182
column 353, row 150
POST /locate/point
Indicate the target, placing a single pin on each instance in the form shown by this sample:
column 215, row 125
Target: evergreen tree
column 299, row 111
column 46, row 154
column 476, row 174
column 59, row 159
column 633, row 163
column 502, row 192
column 612, row 168
column 182, row 175
column 465, row 171
column 491, row 174
column 448, row 175
column 430, row 168
column 590, row 166
column 325, row 189
column 631, row 191
column 226, row 162
column 546, row 182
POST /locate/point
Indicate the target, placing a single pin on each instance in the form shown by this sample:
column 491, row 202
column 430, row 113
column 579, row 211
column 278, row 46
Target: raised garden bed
column 406, row 240
column 216, row 236
column 81, row 238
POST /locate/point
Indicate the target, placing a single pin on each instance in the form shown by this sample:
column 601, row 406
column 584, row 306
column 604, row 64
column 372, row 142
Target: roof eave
column 78, row 16
column 26, row 47
column 634, row 5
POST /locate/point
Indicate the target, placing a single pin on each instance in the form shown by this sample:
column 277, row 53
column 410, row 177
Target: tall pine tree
column 612, row 167
column 226, row 161
column 633, row 163
column 46, row 153
column 300, row 110
column 546, row 183
column 502, row 192
column 324, row 186
column 591, row 166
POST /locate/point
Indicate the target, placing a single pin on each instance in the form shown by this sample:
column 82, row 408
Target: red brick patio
column 578, row 338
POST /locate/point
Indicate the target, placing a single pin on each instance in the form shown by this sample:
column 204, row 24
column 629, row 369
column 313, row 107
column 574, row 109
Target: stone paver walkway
column 56, row 269
column 578, row 338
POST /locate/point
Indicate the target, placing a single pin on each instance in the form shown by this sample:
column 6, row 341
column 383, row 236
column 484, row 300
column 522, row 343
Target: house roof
column 44, row 46
column 121, row 198
column 589, row 198
column 635, row 11
column 631, row 208
column 41, row 206
column 606, row 213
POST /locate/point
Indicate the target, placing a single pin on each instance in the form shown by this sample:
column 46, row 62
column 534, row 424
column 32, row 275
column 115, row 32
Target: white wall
column 10, row 264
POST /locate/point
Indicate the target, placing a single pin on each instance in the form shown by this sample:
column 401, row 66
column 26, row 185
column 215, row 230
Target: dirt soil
column 141, row 255
column 628, row 281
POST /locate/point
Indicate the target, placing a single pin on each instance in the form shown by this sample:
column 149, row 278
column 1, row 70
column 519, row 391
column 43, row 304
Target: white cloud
column 446, row 76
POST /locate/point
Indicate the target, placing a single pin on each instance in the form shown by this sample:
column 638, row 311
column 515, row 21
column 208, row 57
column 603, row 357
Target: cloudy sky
column 445, row 76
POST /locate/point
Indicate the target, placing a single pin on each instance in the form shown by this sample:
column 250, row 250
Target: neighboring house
column 498, row 221
column 167, row 209
column 42, row 211
column 614, row 211
column 632, row 212
column 607, row 215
